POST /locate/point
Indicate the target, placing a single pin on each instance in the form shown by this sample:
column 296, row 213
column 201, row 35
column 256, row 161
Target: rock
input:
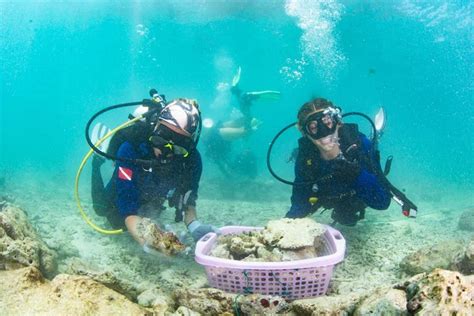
column 326, row 305
column 295, row 233
column 242, row 246
column 184, row 311
column 299, row 254
column 282, row 240
column 467, row 264
column 107, row 278
column 441, row 292
column 20, row 245
column 205, row 301
column 215, row 302
column 25, row 292
column 165, row 242
column 156, row 299
column 220, row 251
column 444, row 255
column 384, row 301
column 466, row 220
column 256, row 304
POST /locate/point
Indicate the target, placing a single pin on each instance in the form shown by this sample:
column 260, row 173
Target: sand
column 375, row 246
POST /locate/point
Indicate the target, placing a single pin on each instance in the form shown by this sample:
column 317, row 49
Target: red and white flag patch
column 125, row 174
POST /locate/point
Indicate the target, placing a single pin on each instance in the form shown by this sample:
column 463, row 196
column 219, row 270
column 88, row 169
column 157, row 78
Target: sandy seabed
column 375, row 246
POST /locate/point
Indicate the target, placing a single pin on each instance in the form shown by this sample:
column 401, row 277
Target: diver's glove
column 198, row 230
column 344, row 170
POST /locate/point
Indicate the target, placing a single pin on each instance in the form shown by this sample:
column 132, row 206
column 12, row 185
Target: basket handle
column 204, row 244
column 338, row 240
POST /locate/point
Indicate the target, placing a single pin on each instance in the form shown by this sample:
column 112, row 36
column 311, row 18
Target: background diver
column 174, row 175
column 220, row 136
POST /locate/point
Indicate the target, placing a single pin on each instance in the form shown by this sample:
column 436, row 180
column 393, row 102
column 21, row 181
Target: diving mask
column 322, row 123
column 170, row 142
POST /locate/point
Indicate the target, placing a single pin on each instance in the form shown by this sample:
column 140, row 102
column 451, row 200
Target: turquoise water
column 63, row 61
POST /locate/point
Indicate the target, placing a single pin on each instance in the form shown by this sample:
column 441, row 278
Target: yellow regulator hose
column 78, row 175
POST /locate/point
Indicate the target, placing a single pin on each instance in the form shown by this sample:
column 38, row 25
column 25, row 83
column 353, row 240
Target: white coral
column 281, row 240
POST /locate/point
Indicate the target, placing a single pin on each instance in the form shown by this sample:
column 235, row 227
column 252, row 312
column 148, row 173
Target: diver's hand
column 198, row 230
column 255, row 124
column 150, row 250
column 155, row 239
column 345, row 170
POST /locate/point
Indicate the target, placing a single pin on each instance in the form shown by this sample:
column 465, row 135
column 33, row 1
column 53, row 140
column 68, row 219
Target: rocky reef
column 281, row 240
column 440, row 292
column 450, row 254
column 20, row 245
column 31, row 284
column 162, row 241
column 26, row 292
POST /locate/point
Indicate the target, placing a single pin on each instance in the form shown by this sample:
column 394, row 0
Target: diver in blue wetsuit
column 174, row 175
column 335, row 167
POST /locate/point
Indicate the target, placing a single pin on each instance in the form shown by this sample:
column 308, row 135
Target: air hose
column 81, row 167
column 270, row 147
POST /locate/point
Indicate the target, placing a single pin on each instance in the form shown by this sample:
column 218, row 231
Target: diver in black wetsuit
column 219, row 138
column 335, row 167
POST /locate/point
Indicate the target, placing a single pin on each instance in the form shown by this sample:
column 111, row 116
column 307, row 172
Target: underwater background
column 62, row 61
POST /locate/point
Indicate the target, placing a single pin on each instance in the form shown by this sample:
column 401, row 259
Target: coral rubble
column 20, row 245
column 281, row 240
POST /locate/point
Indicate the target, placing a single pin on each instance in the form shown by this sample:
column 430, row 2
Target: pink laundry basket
column 289, row 279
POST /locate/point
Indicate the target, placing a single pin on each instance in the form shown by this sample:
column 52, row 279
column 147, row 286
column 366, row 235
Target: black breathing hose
column 270, row 147
column 269, row 166
column 89, row 123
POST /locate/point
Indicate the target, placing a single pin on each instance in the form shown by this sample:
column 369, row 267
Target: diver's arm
column 132, row 222
column 193, row 170
column 127, row 191
column 371, row 191
column 232, row 133
column 367, row 185
column 189, row 214
column 300, row 205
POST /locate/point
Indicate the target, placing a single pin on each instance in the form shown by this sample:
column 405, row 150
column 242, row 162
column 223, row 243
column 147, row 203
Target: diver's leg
column 115, row 219
column 348, row 212
column 100, row 201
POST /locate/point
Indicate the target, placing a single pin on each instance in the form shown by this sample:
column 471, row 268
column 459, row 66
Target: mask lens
column 178, row 150
column 168, row 146
column 165, row 138
column 320, row 124
column 158, row 141
column 312, row 128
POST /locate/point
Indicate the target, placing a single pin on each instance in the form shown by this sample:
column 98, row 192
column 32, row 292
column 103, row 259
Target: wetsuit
column 132, row 187
column 346, row 198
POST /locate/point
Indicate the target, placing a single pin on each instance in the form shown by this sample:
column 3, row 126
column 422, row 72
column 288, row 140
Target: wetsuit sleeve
column 126, row 183
column 367, row 185
column 193, row 171
column 300, row 205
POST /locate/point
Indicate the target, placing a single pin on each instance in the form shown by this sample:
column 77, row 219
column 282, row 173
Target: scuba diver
column 219, row 137
column 155, row 159
column 337, row 167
